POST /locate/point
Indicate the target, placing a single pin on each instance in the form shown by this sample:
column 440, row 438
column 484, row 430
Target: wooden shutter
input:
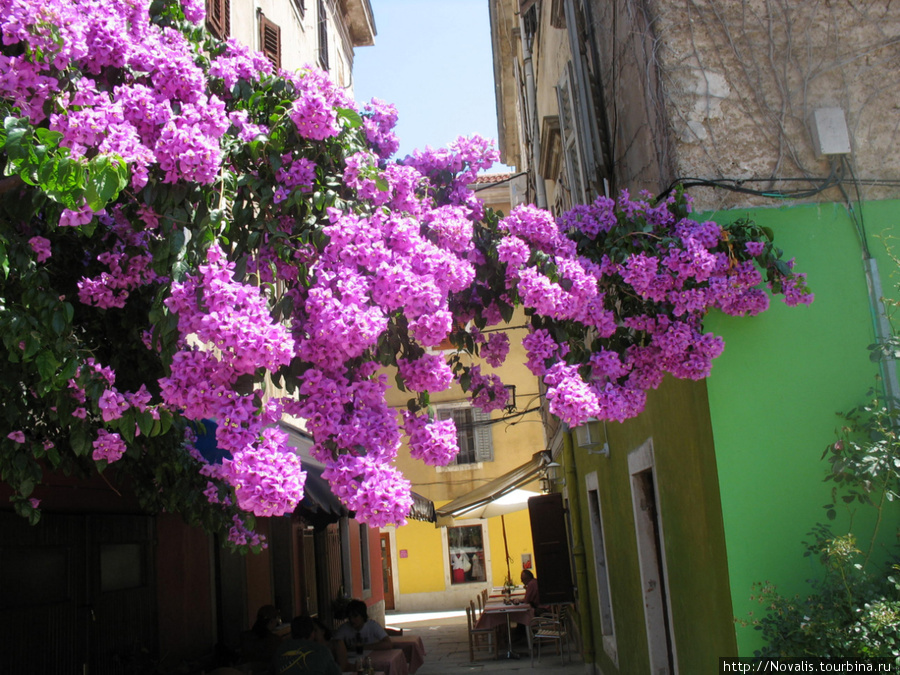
column 550, row 538
column 270, row 40
column 584, row 103
column 484, row 436
column 218, row 18
column 323, row 35
column 571, row 137
column 329, row 572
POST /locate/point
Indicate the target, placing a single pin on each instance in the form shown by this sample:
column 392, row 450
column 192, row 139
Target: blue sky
column 432, row 60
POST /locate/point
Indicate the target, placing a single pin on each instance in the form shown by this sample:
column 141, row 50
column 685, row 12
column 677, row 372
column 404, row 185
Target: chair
column 477, row 634
column 484, row 596
column 552, row 628
column 480, row 608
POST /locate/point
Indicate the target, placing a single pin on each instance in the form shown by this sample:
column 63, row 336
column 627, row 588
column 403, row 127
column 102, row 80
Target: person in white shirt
column 360, row 632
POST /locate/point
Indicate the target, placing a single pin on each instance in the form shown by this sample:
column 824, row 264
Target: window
column 466, row 547
column 218, row 18
column 364, row 557
column 572, row 149
column 323, row 35
column 301, row 7
column 122, row 567
column 473, row 433
column 270, row 40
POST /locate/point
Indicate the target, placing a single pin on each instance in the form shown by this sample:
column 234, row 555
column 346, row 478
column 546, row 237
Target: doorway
column 652, row 558
column 78, row 593
column 387, row 570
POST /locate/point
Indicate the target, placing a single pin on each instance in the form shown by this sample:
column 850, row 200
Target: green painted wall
column 676, row 419
column 774, row 393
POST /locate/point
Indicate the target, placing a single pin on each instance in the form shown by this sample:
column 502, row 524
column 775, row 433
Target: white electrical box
column 829, row 131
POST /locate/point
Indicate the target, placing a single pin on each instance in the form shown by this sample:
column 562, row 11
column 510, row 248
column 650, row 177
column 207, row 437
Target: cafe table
column 497, row 612
column 413, row 648
column 387, row 661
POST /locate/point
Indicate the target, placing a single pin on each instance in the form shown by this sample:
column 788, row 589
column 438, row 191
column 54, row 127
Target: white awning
column 521, row 475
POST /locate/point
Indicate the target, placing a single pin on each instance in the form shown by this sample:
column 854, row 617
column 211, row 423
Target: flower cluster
column 264, row 237
column 108, row 446
column 377, row 492
column 666, row 274
column 432, row 441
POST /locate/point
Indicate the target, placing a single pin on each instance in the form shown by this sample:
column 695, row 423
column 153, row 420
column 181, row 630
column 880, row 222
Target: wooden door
column 77, row 594
column 549, row 535
column 121, row 626
column 387, row 570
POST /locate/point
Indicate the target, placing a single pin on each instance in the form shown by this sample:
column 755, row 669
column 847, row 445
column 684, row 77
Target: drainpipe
column 531, row 114
column 579, row 555
column 882, row 327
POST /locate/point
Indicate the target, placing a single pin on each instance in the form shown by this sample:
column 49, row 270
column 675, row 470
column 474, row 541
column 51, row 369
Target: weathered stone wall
column 742, row 79
column 725, row 89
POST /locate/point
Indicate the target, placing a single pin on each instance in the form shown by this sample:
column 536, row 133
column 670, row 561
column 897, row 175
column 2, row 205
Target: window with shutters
column 323, row 35
column 572, row 148
column 473, row 433
column 218, row 18
column 270, row 39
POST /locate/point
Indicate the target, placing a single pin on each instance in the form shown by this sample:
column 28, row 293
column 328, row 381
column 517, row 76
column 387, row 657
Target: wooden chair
column 477, row 635
column 551, row 628
column 480, row 607
column 484, row 596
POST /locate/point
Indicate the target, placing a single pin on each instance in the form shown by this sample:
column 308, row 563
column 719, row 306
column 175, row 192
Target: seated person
column 258, row 645
column 532, row 596
column 360, row 632
column 304, row 653
column 338, row 648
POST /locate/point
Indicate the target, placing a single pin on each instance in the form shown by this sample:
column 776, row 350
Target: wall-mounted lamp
column 549, row 475
column 588, row 439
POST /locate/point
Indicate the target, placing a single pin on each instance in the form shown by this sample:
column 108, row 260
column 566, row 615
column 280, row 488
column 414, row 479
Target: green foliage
column 853, row 609
column 849, row 613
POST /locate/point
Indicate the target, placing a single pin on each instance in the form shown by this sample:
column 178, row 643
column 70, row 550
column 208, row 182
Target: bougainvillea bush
column 182, row 228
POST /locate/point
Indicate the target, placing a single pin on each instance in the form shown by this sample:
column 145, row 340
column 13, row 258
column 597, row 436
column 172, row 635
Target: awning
column 319, row 506
column 422, row 508
column 492, row 490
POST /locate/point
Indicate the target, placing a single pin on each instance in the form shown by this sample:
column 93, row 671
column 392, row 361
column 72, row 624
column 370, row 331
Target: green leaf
column 106, row 177
column 26, row 487
column 126, row 427
column 79, row 441
column 145, row 422
column 60, row 321
column 350, row 117
column 46, row 364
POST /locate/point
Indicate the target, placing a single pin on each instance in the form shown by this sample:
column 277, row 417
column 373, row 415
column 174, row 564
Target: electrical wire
column 834, row 178
column 856, row 214
column 499, row 182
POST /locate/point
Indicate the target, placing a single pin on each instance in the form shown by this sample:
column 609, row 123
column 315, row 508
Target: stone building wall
column 741, row 80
